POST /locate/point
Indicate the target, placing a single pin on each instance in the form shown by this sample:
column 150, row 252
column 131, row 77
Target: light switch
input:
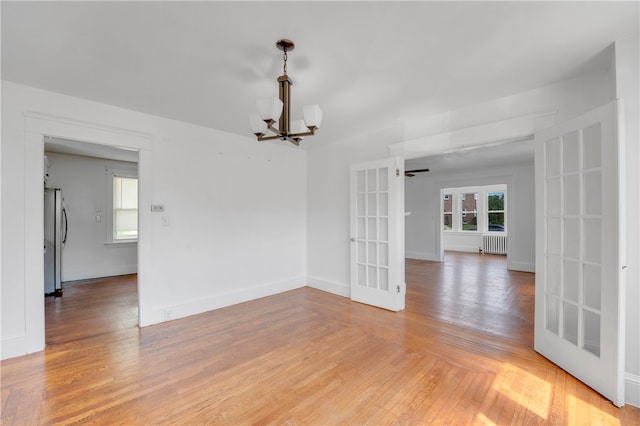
column 98, row 218
column 165, row 220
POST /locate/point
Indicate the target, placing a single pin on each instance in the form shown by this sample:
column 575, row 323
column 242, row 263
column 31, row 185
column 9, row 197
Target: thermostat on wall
column 157, row 207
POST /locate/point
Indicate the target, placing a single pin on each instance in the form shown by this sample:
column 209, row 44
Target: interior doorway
column 97, row 258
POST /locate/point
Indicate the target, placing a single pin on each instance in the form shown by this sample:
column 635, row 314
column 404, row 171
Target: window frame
column 481, row 194
column 503, row 211
column 112, row 172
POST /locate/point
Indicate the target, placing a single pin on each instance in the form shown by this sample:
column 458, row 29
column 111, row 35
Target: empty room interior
column 315, row 212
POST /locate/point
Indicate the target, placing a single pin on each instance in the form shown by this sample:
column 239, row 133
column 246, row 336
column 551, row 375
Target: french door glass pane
column 592, row 193
column 372, row 207
column 552, row 316
column 571, row 280
column 570, row 152
column 362, row 275
column 553, row 275
column 592, row 240
column 592, row 289
column 591, row 146
column 591, row 332
column 571, row 195
column 383, row 254
column 372, row 254
column 383, row 204
column 372, row 180
column 384, row 279
column 373, row 276
column 372, row 229
column 384, row 229
column 554, row 196
column 572, row 238
column 554, row 237
column 382, row 179
column 570, row 322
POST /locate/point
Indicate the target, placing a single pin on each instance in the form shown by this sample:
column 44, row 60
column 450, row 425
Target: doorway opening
column 97, row 263
column 465, row 198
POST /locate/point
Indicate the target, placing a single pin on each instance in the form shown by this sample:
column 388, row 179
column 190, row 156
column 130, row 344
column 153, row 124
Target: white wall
column 84, row 187
column 237, row 211
column 422, row 199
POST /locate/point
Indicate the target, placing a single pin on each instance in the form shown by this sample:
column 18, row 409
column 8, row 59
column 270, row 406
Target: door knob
column 353, row 240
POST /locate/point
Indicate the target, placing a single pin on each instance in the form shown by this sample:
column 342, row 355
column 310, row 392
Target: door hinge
column 397, row 172
column 398, row 288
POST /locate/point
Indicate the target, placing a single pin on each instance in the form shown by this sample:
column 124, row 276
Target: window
column 122, row 206
column 475, row 209
column 125, row 208
column 448, row 212
column 469, row 208
column 495, row 211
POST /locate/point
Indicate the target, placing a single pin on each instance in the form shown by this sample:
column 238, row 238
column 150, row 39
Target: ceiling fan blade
column 411, row 173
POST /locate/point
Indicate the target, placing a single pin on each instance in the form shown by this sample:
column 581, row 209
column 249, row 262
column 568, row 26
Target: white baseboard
column 521, row 266
column 422, row 256
column 195, row 306
column 334, row 287
column 466, row 249
column 93, row 273
column 632, row 389
column 14, row 346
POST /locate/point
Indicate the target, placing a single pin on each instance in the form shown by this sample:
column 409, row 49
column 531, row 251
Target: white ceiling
column 513, row 152
column 368, row 64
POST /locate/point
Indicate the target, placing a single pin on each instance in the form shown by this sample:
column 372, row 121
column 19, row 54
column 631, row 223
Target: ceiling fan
column 412, row 173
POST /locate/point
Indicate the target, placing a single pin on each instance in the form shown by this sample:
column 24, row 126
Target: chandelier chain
column 284, row 57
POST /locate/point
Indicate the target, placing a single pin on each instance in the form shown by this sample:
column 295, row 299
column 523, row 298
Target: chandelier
column 272, row 110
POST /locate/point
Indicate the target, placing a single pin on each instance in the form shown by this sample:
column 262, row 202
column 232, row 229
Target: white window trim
column 481, row 207
column 112, row 172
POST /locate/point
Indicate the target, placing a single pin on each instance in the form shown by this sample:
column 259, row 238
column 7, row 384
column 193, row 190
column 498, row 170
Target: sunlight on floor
column 524, row 389
column 481, row 419
column 580, row 411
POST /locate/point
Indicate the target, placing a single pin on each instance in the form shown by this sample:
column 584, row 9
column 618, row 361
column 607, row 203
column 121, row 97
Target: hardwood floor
column 90, row 308
column 459, row 354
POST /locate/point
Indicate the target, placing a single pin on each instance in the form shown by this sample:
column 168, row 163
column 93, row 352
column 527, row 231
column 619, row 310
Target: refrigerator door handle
column 66, row 224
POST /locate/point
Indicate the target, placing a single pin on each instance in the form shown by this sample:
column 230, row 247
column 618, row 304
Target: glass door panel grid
column 573, row 235
column 372, row 235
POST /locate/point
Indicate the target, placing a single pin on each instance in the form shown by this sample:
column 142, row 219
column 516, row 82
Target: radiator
column 494, row 244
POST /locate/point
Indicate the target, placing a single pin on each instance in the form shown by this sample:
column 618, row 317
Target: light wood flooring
column 461, row 353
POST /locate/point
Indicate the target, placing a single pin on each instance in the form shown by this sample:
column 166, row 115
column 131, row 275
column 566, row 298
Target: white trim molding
column 632, row 389
column 37, row 126
column 195, row 306
column 496, row 133
column 333, row 287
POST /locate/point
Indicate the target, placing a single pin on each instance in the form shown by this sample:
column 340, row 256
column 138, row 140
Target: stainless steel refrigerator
column 55, row 235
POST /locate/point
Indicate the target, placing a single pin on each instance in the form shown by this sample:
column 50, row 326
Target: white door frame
column 37, row 126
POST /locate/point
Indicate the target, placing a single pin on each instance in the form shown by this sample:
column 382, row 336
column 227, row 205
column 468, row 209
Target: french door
column 579, row 306
column 377, row 233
